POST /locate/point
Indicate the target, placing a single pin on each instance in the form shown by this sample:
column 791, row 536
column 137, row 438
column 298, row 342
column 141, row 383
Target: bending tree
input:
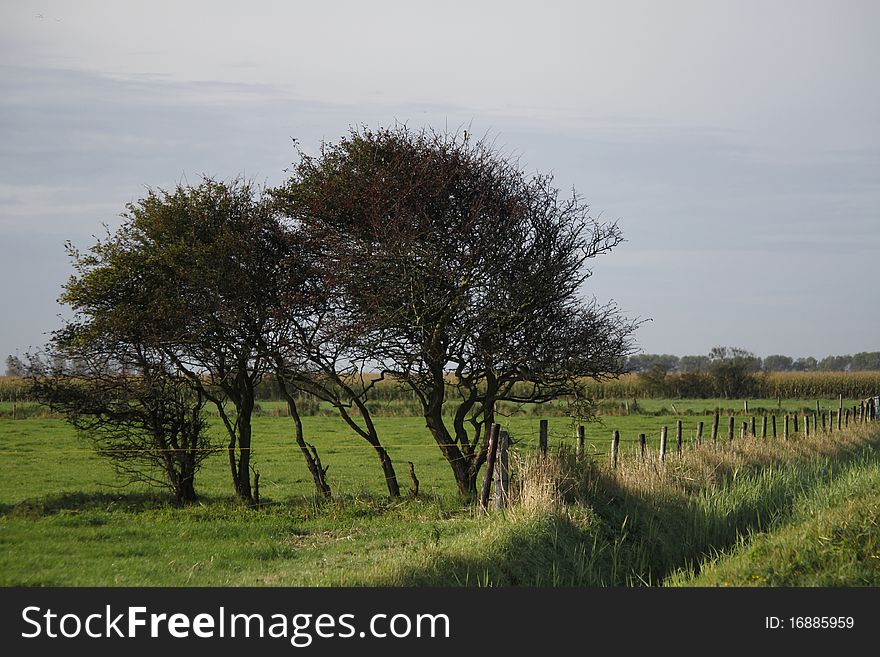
column 458, row 275
column 131, row 404
column 191, row 274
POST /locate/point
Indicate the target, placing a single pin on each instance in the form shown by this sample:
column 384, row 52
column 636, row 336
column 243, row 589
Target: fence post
column 746, row 406
column 678, row 437
column 824, row 426
column 715, row 427
column 662, row 443
column 494, row 430
column 744, row 430
column 730, row 430
column 753, row 430
column 831, row 421
column 700, row 432
column 643, row 445
column 615, row 446
column 785, row 429
column 502, row 471
column 847, row 418
column 839, row 411
column 580, row 441
column 773, row 427
column 806, row 426
column 542, row 438
column 796, row 423
column 764, row 428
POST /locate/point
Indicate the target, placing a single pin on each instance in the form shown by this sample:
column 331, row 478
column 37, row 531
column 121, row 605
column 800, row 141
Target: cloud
column 708, row 210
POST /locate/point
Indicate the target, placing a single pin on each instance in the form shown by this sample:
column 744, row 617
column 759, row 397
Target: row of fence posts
column 497, row 473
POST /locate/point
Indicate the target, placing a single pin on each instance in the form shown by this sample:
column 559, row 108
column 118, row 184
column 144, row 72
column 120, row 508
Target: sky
column 736, row 143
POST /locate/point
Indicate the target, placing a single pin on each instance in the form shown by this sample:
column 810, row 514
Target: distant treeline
column 864, row 361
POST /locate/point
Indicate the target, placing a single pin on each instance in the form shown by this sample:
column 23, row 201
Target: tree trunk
column 186, row 491
column 388, row 470
column 318, row 474
column 462, row 464
column 243, row 482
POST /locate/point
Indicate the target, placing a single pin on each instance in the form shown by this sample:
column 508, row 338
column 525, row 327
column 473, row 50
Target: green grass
column 833, row 539
column 130, row 540
column 65, row 521
column 45, row 456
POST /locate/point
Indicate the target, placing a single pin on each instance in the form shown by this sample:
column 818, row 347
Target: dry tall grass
column 551, row 483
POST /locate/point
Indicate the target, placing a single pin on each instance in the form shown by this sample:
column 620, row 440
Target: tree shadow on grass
column 128, row 502
column 354, row 506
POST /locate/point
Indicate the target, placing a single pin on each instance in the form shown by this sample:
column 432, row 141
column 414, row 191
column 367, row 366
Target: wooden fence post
column 796, row 423
column 730, row 430
column 615, row 446
column 678, row 437
column 839, row 411
column 824, row 426
column 831, row 421
column 580, row 441
column 753, row 431
column 846, row 420
column 643, row 445
column 414, row 491
column 715, row 427
column 744, row 430
column 502, row 471
column 494, row 430
column 746, row 406
column 542, row 438
column 785, row 429
column 700, row 432
column 773, row 427
column 806, row 426
column 764, row 428
column 662, row 443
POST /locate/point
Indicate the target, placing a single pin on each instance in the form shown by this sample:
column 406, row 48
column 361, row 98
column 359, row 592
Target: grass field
column 50, row 459
column 65, row 520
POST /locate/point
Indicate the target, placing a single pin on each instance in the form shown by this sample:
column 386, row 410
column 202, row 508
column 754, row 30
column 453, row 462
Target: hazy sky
column 737, row 143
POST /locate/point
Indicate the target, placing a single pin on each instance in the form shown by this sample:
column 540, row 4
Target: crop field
column 67, row 520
